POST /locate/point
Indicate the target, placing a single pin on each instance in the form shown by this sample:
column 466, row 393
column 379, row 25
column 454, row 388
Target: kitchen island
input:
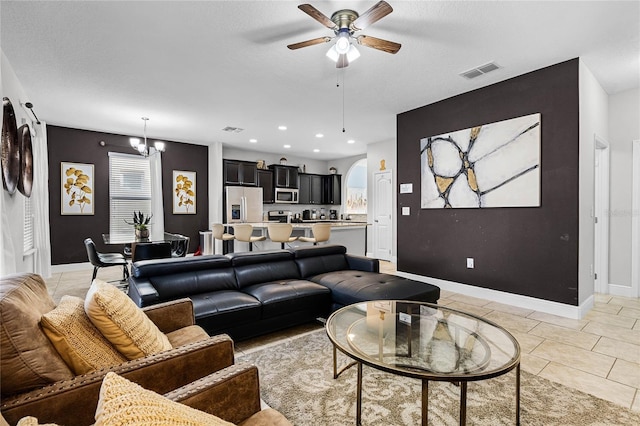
column 348, row 233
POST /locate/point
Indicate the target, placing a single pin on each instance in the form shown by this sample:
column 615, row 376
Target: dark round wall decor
column 25, row 181
column 10, row 148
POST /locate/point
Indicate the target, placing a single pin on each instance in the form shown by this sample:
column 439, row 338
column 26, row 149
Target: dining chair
column 243, row 232
column 103, row 260
column 321, row 233
column 219, row 234
column 179, row 245
column 281, row 233
column 154, row 250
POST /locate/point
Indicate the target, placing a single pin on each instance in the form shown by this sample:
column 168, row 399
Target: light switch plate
column 406, row 188
column 406, row 211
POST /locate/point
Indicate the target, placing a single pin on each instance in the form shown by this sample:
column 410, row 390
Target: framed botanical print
column 76, row 183
column 184, row 192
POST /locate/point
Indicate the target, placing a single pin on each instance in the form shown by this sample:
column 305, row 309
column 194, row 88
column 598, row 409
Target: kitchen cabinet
column 332, row 189
column 265, row 181
column 311, row 188
column 284, row 176
column 243, row 173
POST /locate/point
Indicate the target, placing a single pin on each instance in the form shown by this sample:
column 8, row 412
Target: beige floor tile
column 636, row 402
column 468, row 299
column 574, row 357
column 512, row 322
column 513, row 310
column 557, row 320
column 613, row 332
column 625, row 372
column 630, row 312
column 628, row 302
column 602, row 298
column 616, row 348
column 565, row 335
column 472, row 309
column 532, row 364
column 636, row 325
column 445, row 302
column 589, row 383
column 445, row 294
column 610, row 319
column 528, row 342
column 607, row 307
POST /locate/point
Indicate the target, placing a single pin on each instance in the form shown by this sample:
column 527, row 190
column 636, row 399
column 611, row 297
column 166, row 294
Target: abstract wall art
column 492, row 165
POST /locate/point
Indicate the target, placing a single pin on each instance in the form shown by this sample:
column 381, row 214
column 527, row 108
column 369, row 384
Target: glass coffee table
column 423, row 341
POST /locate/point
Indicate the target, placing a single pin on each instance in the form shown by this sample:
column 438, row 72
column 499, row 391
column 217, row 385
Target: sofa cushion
column 227, row 306
column 123, row 402
column 350, row 286
column 32, row 421
column 266, row 417
column 122, row 322
column 315, row 260
column 28, row 360
column 76, row 339
column 183, row 284
column 261, row 267
column 186, row 335
column 178, row 265
column 285, row 296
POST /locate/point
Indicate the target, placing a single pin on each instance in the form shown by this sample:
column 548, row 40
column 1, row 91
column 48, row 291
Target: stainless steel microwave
column 286, row 196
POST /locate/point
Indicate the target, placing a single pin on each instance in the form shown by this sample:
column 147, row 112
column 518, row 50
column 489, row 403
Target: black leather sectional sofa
column 248, row 294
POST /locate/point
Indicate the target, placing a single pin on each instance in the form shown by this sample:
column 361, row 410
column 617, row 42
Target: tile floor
column 599, row 354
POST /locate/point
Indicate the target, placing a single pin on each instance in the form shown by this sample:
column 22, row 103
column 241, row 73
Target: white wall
column 12, row 206
column 594, row 106
column 375, row 153
column 624, row 127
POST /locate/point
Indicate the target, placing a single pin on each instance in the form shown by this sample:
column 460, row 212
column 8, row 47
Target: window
column 129, row 190
column 28, row 226
column 356, row 185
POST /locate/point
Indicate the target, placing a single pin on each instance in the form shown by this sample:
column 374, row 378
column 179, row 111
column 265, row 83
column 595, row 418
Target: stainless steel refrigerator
column 244, row 204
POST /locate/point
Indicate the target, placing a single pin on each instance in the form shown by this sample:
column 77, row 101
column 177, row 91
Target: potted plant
column 140, row 223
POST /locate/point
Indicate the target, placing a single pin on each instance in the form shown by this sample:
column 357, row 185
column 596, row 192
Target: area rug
column 296, row 379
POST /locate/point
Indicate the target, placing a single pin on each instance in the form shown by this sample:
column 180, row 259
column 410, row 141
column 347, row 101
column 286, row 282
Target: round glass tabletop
column 423, row 340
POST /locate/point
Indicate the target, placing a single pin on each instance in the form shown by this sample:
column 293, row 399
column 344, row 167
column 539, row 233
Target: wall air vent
column 232, row 129
column 481, row 70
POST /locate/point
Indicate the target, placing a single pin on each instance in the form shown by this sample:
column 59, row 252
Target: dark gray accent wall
column 83, row 146
column 526, row 251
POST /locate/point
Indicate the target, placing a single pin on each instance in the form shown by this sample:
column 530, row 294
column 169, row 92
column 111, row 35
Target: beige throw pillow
column 122, row 322
column 76, row 339
column 122, row 402
column 32, row 421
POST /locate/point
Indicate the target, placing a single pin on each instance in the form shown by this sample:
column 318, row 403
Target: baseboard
column 526, row 302
column 621, row 290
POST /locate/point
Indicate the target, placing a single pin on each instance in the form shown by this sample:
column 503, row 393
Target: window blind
column 129, row 190
column 28, row 225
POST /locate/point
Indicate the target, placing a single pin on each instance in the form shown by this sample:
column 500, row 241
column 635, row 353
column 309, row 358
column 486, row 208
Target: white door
column 382, row 210
column 601, row 219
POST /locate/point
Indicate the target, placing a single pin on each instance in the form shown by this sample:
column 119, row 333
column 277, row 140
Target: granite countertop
column 309, row 224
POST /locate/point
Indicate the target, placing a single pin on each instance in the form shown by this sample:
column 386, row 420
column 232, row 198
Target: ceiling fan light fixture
column 333, row 54
column 343, row 44
column 353, row 54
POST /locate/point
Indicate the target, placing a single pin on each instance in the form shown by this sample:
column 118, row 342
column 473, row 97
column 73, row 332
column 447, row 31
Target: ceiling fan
column 344, row 24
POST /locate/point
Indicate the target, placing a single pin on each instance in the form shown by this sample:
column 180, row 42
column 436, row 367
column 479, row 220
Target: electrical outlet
column 470, row 263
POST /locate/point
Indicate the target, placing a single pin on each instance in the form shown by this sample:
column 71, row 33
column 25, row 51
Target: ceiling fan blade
column 377, row 12
column 342, row 61
column 318, row 16
column 311, row 42
column 378, row 43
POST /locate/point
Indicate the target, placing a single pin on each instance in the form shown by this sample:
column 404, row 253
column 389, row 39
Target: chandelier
column 142, row 147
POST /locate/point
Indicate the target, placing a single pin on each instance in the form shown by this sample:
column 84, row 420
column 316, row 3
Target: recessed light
column 253, row 140
column 286, row 146
column 282, row 127
column 316, row 150
column 351, row 141
column 319, row 135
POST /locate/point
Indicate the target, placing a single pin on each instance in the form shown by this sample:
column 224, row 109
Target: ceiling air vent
column 478, row 71
column 232, row 129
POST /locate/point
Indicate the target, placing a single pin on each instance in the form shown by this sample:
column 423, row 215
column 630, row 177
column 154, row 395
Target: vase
column 142, row 233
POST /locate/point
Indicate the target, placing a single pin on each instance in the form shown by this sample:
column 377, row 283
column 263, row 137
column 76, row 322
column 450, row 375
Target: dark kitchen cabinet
column 265, row 181
column 311, row 188
column 284, row 176
column 332, row 193
column 243, row 173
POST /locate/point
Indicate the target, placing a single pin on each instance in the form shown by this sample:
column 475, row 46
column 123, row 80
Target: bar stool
column 281, row 233
column 219, row 234
column 243, row 233
column 321, row 233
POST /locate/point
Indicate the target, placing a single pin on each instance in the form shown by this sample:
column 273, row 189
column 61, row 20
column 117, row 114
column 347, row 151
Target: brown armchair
column 36, row 382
